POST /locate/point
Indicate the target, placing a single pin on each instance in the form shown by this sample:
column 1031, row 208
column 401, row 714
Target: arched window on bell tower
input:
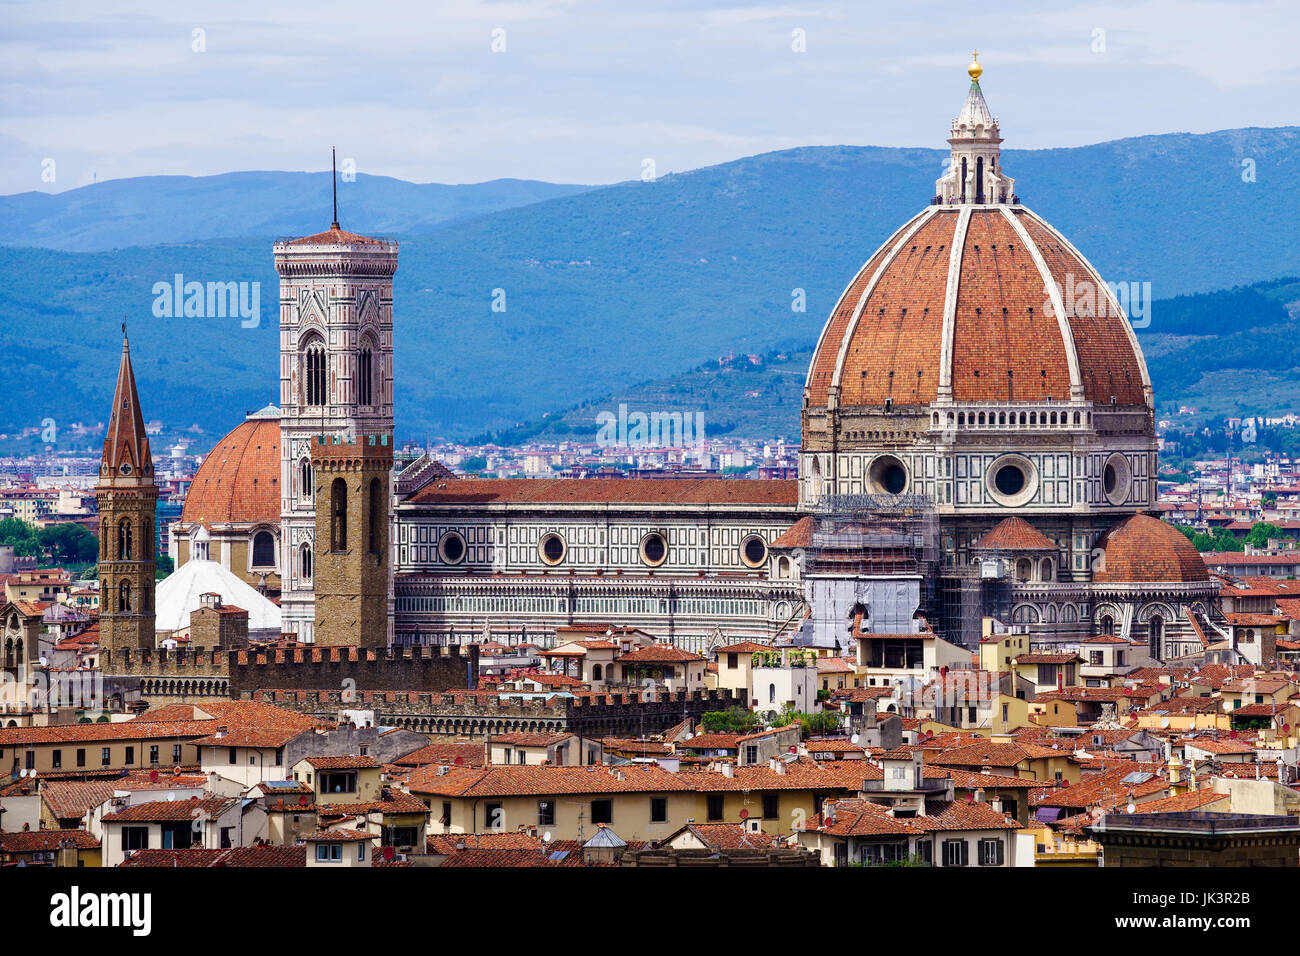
column 314, row 373
column 125, row 542
column 338, row 515
column 979, row 180
column 366, row 375
column 306, row 481
column 124, row 597
column 304, row 563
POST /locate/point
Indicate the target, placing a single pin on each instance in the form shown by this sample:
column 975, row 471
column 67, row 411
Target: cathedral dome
column 976, row 299
column 239, row 481
column 977, row 304
column 1142, row 549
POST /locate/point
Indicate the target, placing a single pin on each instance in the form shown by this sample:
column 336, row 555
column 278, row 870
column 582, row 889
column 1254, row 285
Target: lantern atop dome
column 974, row 174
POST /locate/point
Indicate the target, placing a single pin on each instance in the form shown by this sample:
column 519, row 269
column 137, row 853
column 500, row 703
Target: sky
column 460, row 91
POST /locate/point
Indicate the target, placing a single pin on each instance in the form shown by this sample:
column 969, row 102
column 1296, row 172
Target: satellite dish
column 1164, row 722
column 23, row 772
column 171, row 797
column 546, row 837
column 1131, row 807
column 853, row 739
column 744, row 814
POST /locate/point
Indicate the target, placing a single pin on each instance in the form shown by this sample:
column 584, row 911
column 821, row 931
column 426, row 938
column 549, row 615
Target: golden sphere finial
column 975, row 70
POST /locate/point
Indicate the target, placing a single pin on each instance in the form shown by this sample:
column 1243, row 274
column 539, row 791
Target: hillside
column 639, row 282
column 150, row 210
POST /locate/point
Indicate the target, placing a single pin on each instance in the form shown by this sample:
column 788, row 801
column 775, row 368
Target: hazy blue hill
column 641, row 282
column 149, row 210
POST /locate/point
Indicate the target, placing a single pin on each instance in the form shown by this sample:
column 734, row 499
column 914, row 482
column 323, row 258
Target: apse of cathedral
column 978, row 451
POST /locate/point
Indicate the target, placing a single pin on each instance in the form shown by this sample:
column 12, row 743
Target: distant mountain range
column 150, row 210
column 639, row 282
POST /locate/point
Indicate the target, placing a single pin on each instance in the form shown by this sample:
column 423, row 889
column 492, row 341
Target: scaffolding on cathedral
column 871, row 564
column 874, row 534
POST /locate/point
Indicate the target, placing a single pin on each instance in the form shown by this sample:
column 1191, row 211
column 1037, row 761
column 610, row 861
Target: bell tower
column 127, row 498
column 336, row 379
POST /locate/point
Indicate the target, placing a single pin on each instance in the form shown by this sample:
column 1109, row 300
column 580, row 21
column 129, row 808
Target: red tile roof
column 343, row 762
column 31, row 841
column 659, row 654
column 160, row 811
column 334, row 236
column 1015, row 534
column 720, row 491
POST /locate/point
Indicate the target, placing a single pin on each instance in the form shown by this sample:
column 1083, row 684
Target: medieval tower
column 127, row 498
column 353, row 569
column 336, row 382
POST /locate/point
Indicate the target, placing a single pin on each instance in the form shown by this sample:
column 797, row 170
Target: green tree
column 1260, row 532
column 68, row 543
column 733, row 720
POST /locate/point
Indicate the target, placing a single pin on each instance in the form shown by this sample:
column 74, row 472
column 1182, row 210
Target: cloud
column 584, row 91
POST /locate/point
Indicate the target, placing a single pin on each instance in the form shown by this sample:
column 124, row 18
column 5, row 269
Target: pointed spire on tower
column 126, row 443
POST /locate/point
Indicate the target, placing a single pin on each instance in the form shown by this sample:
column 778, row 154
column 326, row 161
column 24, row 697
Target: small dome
column 1141, row 548
column 1014, row 534
column 239, row 481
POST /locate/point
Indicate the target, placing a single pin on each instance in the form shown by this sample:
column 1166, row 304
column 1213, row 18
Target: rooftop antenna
column 334, row 183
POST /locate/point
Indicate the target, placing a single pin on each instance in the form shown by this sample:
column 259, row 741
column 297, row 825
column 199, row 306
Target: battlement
column 478, row 714
column 318, row 654
column 194, row 661
column 378, row 448
column 407, row 669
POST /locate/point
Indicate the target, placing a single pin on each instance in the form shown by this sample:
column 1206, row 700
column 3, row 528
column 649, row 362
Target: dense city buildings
column 957, row 624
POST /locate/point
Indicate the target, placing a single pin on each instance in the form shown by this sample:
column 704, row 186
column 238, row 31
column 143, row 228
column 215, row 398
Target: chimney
column 728, row 770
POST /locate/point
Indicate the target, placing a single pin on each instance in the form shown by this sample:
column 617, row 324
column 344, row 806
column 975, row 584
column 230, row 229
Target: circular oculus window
column 888, row 475
column 451, row 548
column 753, row 551
column 1117, row 479
column 552, row 548
column 1012, row 480
column 654, row 549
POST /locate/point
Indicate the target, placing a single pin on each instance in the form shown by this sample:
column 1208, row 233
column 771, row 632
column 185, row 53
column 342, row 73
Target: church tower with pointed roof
column 127, row 498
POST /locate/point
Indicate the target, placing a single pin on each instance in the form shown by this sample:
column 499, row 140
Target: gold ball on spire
column 975, row 70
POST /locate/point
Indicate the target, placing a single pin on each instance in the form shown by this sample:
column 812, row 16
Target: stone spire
column 975, row 167
column 126, row 446
column 127, row 499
